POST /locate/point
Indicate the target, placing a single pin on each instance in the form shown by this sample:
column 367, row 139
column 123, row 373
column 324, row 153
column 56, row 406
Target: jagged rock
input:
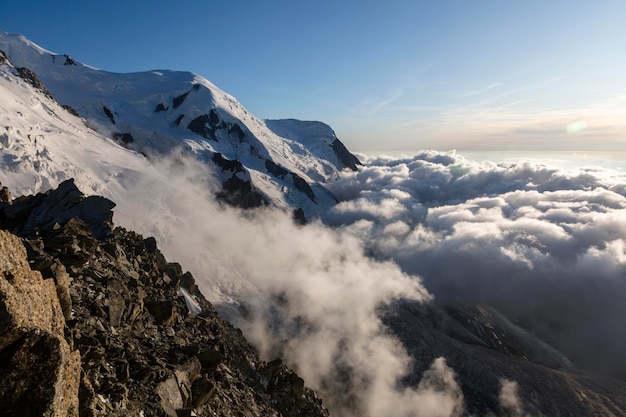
column 27, row 301
column 5, row 195
column 31, row 78
column 210, row 359
column 164, row 312
column 235, row 129
column 301, row 184
column 150, row 244
column 239, row 193
column 68, row 60
column 344, row 155
column 233, row 166
column 71, row 110
column 62, row 282
column 202, row 390
column 187, row 280
column 53, row 373
column 32, row 340
column 123, row 138
column 117, row 294
column 298, row 217
column 178, row 100
column 141, row 349
column 12, row 252
column 26, row 216
column 109, row 114
column 202, row 126
column 171, row 398
column 275, row 169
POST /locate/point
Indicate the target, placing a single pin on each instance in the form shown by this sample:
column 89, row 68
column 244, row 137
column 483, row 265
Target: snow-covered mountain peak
column 155, row 112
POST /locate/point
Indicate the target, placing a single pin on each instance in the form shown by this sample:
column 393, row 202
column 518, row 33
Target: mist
column 307, row 294
column 543, row 245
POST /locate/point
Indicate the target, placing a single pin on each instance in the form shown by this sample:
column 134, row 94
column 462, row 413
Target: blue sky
column 394, row 75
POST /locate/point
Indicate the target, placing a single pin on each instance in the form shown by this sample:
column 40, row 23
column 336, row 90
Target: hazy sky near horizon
column 395, row 75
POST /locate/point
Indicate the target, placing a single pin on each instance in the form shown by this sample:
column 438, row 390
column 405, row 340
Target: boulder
column 53, row 370
column 27, row 216
column 27, row 301
column 32, row 341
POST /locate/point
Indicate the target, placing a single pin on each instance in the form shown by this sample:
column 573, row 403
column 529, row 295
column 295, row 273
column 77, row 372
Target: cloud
column 307, row 294
column 545, row 246
column 372, row 106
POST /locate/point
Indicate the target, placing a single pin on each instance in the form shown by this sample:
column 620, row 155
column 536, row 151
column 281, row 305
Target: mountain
column 111, row 328
column 109, row 135
column 284, row 163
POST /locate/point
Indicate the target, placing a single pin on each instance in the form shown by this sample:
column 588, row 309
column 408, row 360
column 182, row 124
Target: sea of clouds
column 542, row 245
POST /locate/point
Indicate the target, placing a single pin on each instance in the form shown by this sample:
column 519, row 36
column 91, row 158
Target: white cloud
column 545, row 246
column 310, row 293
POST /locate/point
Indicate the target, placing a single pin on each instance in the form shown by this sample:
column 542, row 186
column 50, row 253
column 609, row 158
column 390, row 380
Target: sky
column 394, row 75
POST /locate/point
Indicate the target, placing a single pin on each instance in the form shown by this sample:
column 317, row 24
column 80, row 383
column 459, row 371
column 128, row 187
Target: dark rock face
column 275, row 169
column 344, row 155
column 236, row 130
column 207, row 126
column 178, row 100
column 239, row 193
column 5, row 195
column 301, row 184
column 31, row 78
column 149, row 342
column 109, row 114
column 71, row 110
column 202, row 126
column 224, row 164
column 68, row 60
column 28, row 216
column 160, row 107
column 299, row 217
column 123, row 138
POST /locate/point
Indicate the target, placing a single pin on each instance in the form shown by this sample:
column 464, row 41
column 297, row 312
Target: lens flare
column 577, row 126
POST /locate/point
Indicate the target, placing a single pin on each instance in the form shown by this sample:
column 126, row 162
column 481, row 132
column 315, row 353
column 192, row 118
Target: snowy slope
column 158, row 111
column 43, row 144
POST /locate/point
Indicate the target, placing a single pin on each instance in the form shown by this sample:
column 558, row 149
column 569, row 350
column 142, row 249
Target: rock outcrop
column 40, row 371
column 122, row 331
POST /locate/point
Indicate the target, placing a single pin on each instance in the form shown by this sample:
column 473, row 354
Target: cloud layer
column 543, row 245
column 308, row 294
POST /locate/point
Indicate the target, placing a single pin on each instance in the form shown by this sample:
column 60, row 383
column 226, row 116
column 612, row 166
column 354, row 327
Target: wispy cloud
column 372, row 106
column 496, row 123
column 480, row 91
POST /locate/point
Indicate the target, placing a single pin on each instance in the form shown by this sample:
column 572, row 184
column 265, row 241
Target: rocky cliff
column 94, row 321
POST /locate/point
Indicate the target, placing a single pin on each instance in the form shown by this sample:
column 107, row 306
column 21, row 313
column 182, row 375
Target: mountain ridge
column 156, row 112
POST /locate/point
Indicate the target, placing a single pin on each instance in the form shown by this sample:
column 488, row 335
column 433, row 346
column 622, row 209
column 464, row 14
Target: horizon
column 451, row 75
